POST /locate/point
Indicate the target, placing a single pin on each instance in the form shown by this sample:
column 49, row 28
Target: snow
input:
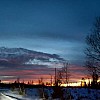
column 84, row 93
column 4, row 97
column 35, row 94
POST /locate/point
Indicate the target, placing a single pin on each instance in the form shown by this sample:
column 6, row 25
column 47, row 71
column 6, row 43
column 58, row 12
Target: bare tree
column 63, row 74
column 93, row 50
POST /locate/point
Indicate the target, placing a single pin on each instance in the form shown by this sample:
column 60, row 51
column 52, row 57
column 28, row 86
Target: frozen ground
column 83, row 94
column 38, row 94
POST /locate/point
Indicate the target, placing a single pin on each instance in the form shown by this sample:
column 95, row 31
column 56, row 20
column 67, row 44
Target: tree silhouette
column 63, row 74
column 93, row 50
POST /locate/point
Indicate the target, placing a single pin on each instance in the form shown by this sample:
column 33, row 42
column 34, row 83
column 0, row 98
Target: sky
column 51, row 26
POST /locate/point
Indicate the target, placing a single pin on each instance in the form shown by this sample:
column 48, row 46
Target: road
column 7, row 97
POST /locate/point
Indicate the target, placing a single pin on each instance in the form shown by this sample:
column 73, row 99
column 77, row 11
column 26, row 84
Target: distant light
column 72, row 84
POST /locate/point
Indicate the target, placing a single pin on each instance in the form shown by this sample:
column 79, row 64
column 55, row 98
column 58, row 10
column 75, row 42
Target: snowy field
column 38, row 94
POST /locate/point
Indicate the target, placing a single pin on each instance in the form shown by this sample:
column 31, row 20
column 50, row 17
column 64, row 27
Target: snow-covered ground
column 38, row 94
column 83, row 94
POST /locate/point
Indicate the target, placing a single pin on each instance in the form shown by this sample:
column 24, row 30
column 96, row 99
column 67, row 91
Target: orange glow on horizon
column 35, row 74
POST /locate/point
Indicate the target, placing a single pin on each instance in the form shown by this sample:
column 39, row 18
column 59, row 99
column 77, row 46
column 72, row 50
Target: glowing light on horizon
column 72, row 84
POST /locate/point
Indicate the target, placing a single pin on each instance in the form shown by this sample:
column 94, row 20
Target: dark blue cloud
column 22, row 21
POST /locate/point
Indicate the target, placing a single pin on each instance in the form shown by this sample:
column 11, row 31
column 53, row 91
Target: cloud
column 62, row 20
column 35, row 72
column 49, row 26
column 67, row 50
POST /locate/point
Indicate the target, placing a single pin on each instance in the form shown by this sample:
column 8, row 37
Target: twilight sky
column 52, row 26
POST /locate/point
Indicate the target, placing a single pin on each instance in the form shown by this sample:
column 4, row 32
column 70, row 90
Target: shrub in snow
column 58, row 93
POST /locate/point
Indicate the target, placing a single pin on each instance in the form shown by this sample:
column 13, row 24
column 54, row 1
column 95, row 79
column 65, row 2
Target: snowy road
column 7, row 97
column 4, row 97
